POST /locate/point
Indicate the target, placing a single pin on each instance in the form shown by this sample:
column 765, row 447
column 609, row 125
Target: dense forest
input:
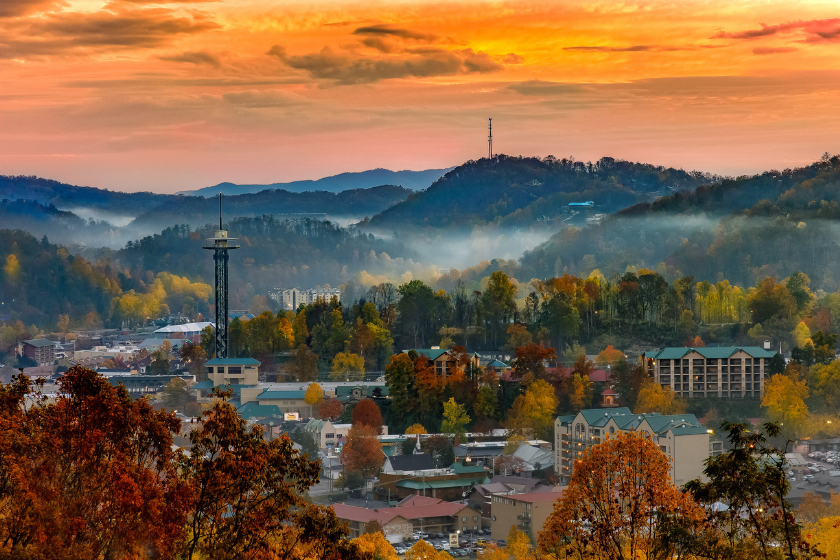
column 741, row 230
column 518, row 191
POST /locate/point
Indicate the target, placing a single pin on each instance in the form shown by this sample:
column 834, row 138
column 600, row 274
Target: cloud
column 816, row 31
column 17, row 8
column 254, row 99
column 388, row 31
column 415, row 63
column 65, row 32
column 512, row 58
column 634, row 48
column 195, row 57
column 772, row 50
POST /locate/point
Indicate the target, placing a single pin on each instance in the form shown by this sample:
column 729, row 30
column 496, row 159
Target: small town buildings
column 526, row 512
column 233, row 371
column 189, row 331
column 425, row 514
column 395, row 527
column 41, row 350
column 451, row 483
column 681, row 438
column 730, row 372
column 444, row 362
column 326, row 433
column 408, row 464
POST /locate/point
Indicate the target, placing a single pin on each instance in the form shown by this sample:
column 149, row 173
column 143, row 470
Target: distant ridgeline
column 517, row 191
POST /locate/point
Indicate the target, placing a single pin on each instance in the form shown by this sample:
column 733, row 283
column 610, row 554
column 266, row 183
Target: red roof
column 608, row 392
column 354, row 513
column 442, row 509
column 415, row 500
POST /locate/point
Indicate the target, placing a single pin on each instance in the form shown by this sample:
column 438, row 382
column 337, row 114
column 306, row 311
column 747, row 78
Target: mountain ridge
column 350, row 180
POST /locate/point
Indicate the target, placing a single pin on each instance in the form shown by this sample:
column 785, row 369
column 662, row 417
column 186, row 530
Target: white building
column 290, row 299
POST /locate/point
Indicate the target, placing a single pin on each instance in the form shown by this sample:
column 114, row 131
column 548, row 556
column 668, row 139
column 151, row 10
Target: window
column 210, row 369
column 329, row 436
column 475, row 528
column 234, row 369
column 475, row 518
column 463, row 520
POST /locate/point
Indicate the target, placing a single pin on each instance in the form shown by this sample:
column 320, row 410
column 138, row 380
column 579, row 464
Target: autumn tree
column 347, row 367
column 313, row 396
column 784, row 400
column 399, row 379
column 534, row 411
column 609, row 356
column 415, row 429
column 366, row 413
column 441, row 450
column 455, row 420
column 329, row 409
column 518, row 335
column 363, row 451
column 374, row 544
column 532, row 359
column 421, row 550
column 580, row 392
column 655, row 398
column 305, row 365
column 758, row 521
column 92, row 475
column 246, row 496
column 518, row 544
column 617, row 503
column 492, row 552
column 177, row 396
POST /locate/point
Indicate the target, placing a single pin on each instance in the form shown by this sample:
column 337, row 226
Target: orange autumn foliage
column 616, row 503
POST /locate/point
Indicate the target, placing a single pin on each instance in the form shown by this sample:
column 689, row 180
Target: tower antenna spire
column 490, row 138
column 220, row 244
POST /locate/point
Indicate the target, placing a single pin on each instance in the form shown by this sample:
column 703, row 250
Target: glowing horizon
column 168, row 96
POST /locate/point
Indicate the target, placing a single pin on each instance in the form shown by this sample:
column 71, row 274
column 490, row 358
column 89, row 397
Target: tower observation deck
column 220, row 244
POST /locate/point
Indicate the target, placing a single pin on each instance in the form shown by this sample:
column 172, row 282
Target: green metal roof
column 461, row 469
column 599, row 416
column 39, row 342
column 428, row 352
column 712, row 352
column 497, row 364
column 233, row 362
column 429, row 484
column 203, row 385
column 689, row 431
column 564, row 420
column 281, row 395
column 254, row 410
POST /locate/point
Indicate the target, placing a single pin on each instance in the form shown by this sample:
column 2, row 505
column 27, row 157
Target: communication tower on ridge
column 220, row 244
column 490, row 138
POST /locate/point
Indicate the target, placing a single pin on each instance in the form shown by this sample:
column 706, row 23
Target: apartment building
column 292, row 298
column 681, row 438
column 40, row 349
column 526, row 512
column 730, row 372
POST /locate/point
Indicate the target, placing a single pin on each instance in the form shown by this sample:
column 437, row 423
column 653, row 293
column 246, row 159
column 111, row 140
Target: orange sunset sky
column 167, row 96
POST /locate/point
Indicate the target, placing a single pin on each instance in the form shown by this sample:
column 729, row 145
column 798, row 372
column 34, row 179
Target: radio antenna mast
column 490, row 138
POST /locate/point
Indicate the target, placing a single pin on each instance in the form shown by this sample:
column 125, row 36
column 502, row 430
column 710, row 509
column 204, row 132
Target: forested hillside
column 518, row 191
column 742, row 230
column 41, row 281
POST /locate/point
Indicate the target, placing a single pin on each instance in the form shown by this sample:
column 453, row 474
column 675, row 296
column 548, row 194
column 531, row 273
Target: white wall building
column 290, row 299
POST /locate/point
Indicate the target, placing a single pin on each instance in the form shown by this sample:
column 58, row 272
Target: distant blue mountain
column 414, row 180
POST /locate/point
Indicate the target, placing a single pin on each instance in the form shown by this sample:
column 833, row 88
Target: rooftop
column 186, row 327
column 233, row 362
column 710, row 352
column 39, row 342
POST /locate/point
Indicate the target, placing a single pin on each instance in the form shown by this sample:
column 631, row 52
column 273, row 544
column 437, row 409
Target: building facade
column 680, row 437
column 526, row 512
column 40, row 349
column 290, row 299
column 714, row 371
column 430, row 515
column 444, row 361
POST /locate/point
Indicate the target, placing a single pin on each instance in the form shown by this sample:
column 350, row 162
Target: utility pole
column 490, row 138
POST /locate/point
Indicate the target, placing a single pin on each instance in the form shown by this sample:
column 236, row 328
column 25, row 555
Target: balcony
column 524, row 517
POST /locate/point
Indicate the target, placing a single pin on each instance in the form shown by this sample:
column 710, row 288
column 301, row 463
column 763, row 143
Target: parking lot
column 469, row 543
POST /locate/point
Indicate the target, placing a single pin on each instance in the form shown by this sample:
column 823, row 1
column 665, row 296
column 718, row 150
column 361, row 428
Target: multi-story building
column 40, row 349
column 714, row 371
column 526, row 512
column 292, row 298
column 681, row 438
column 444, row 361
